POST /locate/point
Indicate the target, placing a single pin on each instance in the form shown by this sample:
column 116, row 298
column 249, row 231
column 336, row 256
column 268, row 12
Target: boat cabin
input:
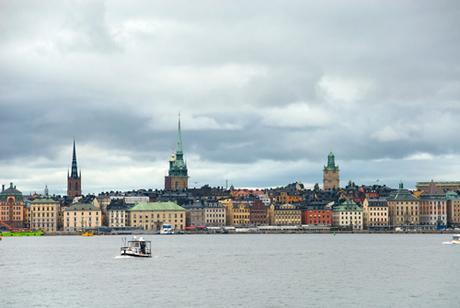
column 136, row 248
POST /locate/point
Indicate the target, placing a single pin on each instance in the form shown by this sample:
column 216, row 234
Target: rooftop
column 157, row 206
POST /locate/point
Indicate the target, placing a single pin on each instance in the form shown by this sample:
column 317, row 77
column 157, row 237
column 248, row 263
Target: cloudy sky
column 265, row 90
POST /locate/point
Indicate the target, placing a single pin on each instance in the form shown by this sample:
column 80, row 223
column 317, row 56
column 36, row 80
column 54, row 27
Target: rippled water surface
column 298, row 270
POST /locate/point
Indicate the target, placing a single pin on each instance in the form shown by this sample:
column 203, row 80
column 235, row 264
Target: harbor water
column 250, row 270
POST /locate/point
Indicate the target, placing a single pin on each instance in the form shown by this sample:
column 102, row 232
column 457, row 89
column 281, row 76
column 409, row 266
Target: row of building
column 402, row 208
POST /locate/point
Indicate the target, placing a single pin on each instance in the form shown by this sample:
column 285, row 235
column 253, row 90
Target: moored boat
column 87, row 233
column 137, row 247
column 167, row 229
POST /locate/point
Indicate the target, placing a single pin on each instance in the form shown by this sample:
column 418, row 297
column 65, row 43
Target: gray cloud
column 269, row 88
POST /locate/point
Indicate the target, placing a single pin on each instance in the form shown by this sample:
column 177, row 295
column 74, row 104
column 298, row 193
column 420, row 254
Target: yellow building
column 284, row 198
column 81, row 216
column 453, row 209
column 241, row 213
column 285, row 215
column 228, row 205
column 44, row 214
column 403, row 208
column 152, row 215
column 375, row 213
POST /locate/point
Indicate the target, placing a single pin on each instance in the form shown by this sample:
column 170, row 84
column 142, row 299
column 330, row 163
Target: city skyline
column 265, row 92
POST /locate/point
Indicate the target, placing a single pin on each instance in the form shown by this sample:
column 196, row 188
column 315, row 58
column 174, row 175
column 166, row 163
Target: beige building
column 152, row 215
column 403, row 208
column 375, row 213
column 81, row 216
column 117, row 214
column 285, row 215
column 433, row 210
column 11, row 207
column 348, row 214
column 214, row 214
column 44, row 215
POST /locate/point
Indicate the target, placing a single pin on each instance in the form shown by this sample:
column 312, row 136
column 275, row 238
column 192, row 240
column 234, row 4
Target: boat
column 137, row 247
column 87, row 233
column 455, row 240
column 167, row 229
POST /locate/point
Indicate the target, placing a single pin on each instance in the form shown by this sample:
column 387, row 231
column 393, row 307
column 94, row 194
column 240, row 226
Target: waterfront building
column 433, row 209
column 258, row 213
column 195, row 214
column 11, row 207
column 317, row 215
column 177, row 178
column 285, row 215
column 348, row 214
column 375, row 213
column 81, row 216
column 74, row 179
column 117, row 214
column 241, row 213
column 443, row 186
column 44, row 215
column 214, row 214
column 228, row 206
column 453, row 209
column 403, row 208
column 152, row 215
column 331, row 179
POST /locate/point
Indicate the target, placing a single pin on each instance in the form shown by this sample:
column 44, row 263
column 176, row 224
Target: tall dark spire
column 74, row 173
column 179, row 150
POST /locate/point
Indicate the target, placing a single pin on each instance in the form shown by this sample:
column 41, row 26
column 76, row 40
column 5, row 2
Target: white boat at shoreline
column 167, row 229
column 455, row 240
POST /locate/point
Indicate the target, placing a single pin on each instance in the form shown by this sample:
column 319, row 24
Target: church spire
column 179, row 150
column 74, row 173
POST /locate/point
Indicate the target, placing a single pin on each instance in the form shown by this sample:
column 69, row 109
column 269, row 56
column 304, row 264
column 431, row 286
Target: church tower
column 331, row 178
column 74, row 180
column 177, row 178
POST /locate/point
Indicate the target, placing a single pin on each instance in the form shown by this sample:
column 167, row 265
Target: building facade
column 285, row 215
column 117, row 214
column 433, row 210
column 317, row 215
column 331, row 177
column 258, row 213
column 445, row 186
column 348, row 214
column 403, row 208
column 195, row 214
column 241, row 213
column 44, row 215
column 152, row 215
column 453, row 209
column 81, row 216
column 74, row 179
column 214, row 214
column 375, row 213
column 177, row 178
column 11, row 208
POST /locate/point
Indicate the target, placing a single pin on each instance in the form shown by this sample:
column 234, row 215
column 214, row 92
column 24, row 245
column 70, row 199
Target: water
column 298, row 270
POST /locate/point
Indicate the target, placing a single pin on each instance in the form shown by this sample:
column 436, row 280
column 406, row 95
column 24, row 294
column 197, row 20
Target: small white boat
column 167, row 229
column 137, row 247
column 455, row 240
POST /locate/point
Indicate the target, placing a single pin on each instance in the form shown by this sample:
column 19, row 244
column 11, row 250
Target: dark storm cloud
column 255, row 82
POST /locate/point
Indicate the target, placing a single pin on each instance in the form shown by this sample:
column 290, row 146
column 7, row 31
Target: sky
column 265, row 89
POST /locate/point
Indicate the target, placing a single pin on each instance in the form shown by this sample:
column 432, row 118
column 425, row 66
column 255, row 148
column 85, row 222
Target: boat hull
column 130, row 254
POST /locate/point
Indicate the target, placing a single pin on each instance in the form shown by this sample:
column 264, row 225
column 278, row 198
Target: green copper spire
column 177, row 165
column 331, row 162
